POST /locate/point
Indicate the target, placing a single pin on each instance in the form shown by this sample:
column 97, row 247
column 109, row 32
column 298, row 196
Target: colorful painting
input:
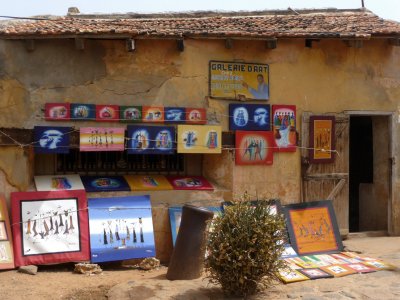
column 175, row 216
column 289, row 275
column 131, row 114
column 57, row 111
column 58, row 182
column 315, row 273
column 196, row 116
column 50, row 227
column 239, row 81
column 120, row 228
column 148, row 182
column 254, row 148
column 313, row 228
column 175, row 115
column 338, row 270
column 104, row 183
column 102, row 139
column 199, row 139
column 288, row 252
column 151, row 140
column 361, row 268
column 107, row 113
column 379, row 265
column 322, row 139
column 153, row 114
column 6, row 249
column 189, row 183
column 82, row 111
column 249, row 117
column 284, row 127
column 50, row 139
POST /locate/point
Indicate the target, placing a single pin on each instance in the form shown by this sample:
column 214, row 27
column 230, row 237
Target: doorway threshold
column 363, row 234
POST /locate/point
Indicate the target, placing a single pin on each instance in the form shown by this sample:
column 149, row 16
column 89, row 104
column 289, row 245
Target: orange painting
column 322, row 142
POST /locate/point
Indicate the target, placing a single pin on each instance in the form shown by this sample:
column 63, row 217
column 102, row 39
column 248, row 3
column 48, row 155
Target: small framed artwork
column 249, row 117
column 6, row 242
column 338, row 270
column 50, row 139
column 199, row 139
column 58, row 183
column 379, row 265
column 290, row 275
column 83, row 111
column 196, row 116
column 49, row 227
column 132, row 114
column 254, row 148
column 120, row 228
column 101, row 139
column 175, row 115
column 57, row 111
column 313, row 228
column 104, row 183
column 322, row 139
column 107, row 113
column 189, row 183
column 153, row 114
column 315, row 273
column 361, row 268
column 284, row 127
column 148, row 182
column 151, row 139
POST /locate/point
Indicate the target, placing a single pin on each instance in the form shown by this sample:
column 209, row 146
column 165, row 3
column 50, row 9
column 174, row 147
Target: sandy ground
column 116, row 282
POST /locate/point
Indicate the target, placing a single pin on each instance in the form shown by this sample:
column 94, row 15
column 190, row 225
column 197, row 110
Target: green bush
column 244, row 248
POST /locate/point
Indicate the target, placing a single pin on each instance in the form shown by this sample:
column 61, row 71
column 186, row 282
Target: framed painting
column 199, row 139
column 313, row 228
column 101, row 139
column 82, row 111
column 238, row 81
column 249, row 117
column 175, row 115
column 338, row 270
column 58, row 182
column 361, row 268
column 189, row 183
column 148, row 182
column 132, row 114
column 107, row 113
column 6, row 242
column 322, row 139
column 196, row 116
column 153, row 114
column 120, row 228
column 57, row 111
column 284, row 127
column 254, row 148
column 104, row 183
column 290, row 275
column 50, row 139
column 49, row 227
column 315, row 273
column 151, row 139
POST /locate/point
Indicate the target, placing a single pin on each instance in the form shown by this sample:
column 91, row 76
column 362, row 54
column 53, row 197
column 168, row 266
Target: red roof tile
column 317, row 24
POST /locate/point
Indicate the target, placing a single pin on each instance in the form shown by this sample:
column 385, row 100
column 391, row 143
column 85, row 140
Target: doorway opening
column 369, row 173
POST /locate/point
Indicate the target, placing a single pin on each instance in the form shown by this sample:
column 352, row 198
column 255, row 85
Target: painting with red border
column 107, row 113
column 284, row 127
column 254, row 148
column 57, row 111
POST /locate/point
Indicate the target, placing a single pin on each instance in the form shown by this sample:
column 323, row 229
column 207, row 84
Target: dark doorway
column 361, row 164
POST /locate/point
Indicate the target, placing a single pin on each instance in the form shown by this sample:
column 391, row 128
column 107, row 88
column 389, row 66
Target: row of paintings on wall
column 115, row 113
column 121, row 183
column 141, row 139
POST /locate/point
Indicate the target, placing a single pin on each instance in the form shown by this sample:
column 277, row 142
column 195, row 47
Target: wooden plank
column 328, row 176
column 15, row 136
column 336, row 190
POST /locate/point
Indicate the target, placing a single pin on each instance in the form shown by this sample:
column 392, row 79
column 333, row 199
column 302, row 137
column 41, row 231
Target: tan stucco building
column 331, row 62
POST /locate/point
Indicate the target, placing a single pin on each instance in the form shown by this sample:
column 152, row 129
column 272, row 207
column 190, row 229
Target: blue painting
column 249, row 117
column 151, row 139
column 120, row 228
column 80, row 111
column 104, row 183
column 174, row 115
column 51, row 139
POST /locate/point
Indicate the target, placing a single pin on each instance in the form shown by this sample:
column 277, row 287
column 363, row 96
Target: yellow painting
column 148, row 182
column 199, row 139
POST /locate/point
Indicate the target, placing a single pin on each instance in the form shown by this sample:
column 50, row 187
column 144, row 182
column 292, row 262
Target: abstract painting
column 148, row 182
column 58, row 182
column 196, row 116
column 6, row 248
column 151, row 139
column 175, row 115
column 107, row 113
column 50, row 227
column 82, row 111
column 284, row 127
column 313, row 228
column 338, row 270
column 50, row 139
column 322, row 139
column 199, row 139
column 102, row 139
column 120, row 228
column 104, row 183
column 315, row 273
column 249, row 117
column 254, row 148
column 189, row 183
column 131, row 114
column 57, row 111
column 153, row 114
